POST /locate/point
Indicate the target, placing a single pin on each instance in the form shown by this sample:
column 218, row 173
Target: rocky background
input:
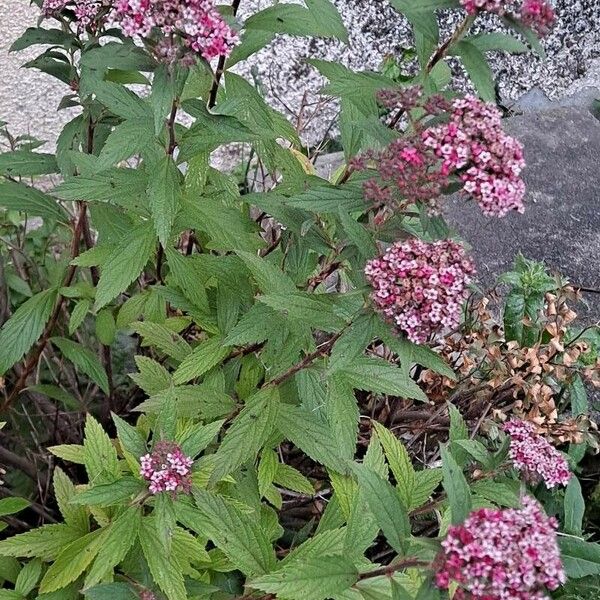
column 28, row 98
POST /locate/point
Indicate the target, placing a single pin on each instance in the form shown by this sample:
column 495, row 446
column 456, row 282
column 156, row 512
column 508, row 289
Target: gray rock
column 561, row 224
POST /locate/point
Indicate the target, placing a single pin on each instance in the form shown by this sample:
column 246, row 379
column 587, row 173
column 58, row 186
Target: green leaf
column 167, row 341
column 28, row 577
column 18, row 196
column 204, row 357
column 166, row 570
column 109, row 494
column 343, row 415
column 237, row 534
column 248, row 432
column 476, row 449
column 379, row 376
column 574, row 508
column 39, row 35
column 45, row 542
column 319, row 19
column 426, row 481
column 122, row 101
column 124, row 264
column 514, row 313
column 329, row 199
column 105, row 327
column 101, row 461
column 128, row 138
column 72, row 561
column 292, row 479
column 64, row 491
column 478, row 69
column 498, row 492
column 83, row 359
column 10, row 506
column 400, row 464
column 486, row 42
column 78, row 315
column 579, row 558
column 23, row 163
column 268, row 277
column 386, row 506
column 164, row 192
column 69, row 452
column 457, row 488
column 119, row 538
column 267, row 469
column 312, row 435
column 130, row 438
column 313, row 578
column 199, row 437
column 26, row 325
column 111, row 591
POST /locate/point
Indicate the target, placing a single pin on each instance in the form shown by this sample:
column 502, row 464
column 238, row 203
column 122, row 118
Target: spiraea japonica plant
column 323, row 405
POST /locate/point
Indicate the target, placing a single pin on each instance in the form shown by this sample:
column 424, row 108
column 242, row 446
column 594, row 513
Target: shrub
column 319, row 404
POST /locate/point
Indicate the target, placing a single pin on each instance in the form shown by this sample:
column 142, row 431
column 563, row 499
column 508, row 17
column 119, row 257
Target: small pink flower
column 420, row 286
column 537, row 14
column 167, row 469
column 535, row 457
column 502, row 554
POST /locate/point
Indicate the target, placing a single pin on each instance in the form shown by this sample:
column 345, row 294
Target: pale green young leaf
column 45, row 542
column 22, row 330
column 130, row 438
column 314, row 578
column 343, row 415
column 83, row 359
column 267, row 469
column 12, row 505
column 69, row 452
column 501, row 493
column 124, row 264
column 426, row 481
column 328, row 543
column 109, row 494
column 105, row 327
column 197, row 438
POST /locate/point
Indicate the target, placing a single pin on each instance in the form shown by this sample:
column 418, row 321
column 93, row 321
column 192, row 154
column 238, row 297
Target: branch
column 214, row 90
column 389, row 570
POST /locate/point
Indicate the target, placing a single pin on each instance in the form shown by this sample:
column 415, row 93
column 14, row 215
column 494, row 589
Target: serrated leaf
column 375, row 375
column 574, row 508
column 111, row 591
column 426, row 481
column 127, row 139
column 199, row 437
column 130, row 438
column 124, row 264
column 386, row 507
column 28, row 577
column 166, row 571
column 579, row 558
column 204, row 357
column 292, row 479
column 267, row 469
column 105, row 327
column 121, row 101
column 312, row 435
column 101, row 461
column 45, row 542
column 498, row 492
column 164, row 192
column 23, row 329
column 10, row 506
column 163, row 338
column 478, row 69
column 456, row 486
column 268, row 277
column 248, row 432
column 119, row 538
column 69, row 452
column 18, row 196
column 23, row 163
column 38, row 35
column 343, row 415
column 400, row 464
column 237, row 534
column 78, row 315
column 72, row 561
column 314, row 578
column 64, row 492
column 83, row 359
column 109, row 494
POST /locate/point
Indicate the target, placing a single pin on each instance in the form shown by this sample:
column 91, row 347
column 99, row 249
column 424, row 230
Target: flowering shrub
column 320, row 403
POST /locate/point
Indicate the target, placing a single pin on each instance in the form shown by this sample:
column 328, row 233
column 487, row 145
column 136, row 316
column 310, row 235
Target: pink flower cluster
column 535, row 456
column 537, row 14
column 502, row 554
column 167, row 469
column 420, row 286
column 87, row 12
column 488, row 160
column 197, row 22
